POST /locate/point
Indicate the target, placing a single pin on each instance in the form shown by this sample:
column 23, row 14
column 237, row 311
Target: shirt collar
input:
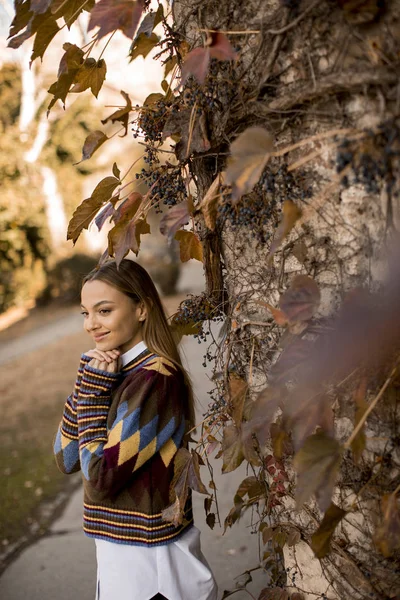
column 132, row 353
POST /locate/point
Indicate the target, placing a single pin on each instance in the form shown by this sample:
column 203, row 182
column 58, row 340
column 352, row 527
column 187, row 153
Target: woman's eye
column 104, row 311
column 85, row 314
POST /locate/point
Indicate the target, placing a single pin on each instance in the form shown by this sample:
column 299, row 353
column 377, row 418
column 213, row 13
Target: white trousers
column 178, row 571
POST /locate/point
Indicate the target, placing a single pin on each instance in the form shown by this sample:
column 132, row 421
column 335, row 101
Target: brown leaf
column 189, row 245
column 359, row 442
column 23, row 16
column 387, row 534
column 232, row 448
column 125, row 236
column 291, row 214
column 175, row 217
column 263, row 411
column 209, row 203
column 317, row 463
column 70, row 63
column 238, row 389
column 250, row 487
column 91, row 75
column 150, row 21
column 321, row 539
column 250, row 153
column 297, row 596
column 142, row 45
column 191, row 130
column 294, row 537
column 86, row 211
column 129, row 207
column 45, row 33
column 110, row 15
column 301, row 299
column 306, row 410
column 173, row 513
column 92, row 143
column 122, row 114
column 186, row 476
column 207, row 504
column 280, row 440
column 210, row 520
column 235, row 513
column 266, row 533
column 220, row 47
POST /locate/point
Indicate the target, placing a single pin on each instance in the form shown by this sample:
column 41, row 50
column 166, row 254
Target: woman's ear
column 142, row 312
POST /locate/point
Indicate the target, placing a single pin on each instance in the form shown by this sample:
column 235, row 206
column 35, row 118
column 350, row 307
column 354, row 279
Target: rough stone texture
column 325, row 73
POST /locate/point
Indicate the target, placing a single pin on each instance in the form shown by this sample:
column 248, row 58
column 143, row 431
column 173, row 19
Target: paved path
column 61, row 566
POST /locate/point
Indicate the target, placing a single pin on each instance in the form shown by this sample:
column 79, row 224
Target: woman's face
column 112, row 319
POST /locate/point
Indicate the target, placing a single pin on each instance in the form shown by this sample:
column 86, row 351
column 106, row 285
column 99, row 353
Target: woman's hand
column 104, row 360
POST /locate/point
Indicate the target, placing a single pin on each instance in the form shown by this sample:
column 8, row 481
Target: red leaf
column 250, row 153
column 220, row 47
column 177, row 216
column 122, row 114
column 196, row 63
column 110, row 15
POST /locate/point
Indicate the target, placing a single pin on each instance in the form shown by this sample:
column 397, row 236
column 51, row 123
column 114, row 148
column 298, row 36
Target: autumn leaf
column 317, row 463
column 142, row 45
column 210, row 520
column 45, row 33
column 23, row 16
column 86, row 211
column 91, row 75
column 92, row 143
column 238, row 389
column 129, row 207
column 209, row 203
column 232, row 448
column 122, row 114
column 189, row 245
column 197, row 61
column 321, row 539
column 387, row 534
column 250, row 487
column 150, row 21
column 263, row 411
column 107, row 212
column 125, row 236
column 250, row 153
column 176, row 216
column 110, row 15
column 291, row 214
column 186, row 476
column 70, row 64
column 301, row 299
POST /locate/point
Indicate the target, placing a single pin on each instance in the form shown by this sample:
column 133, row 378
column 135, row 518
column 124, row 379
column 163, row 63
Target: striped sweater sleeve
column 66, row 446
column 150, row 419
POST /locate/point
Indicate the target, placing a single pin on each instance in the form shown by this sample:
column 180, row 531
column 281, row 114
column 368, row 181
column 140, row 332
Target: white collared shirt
column 178, row 571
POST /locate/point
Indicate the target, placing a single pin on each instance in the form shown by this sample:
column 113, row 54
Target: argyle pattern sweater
column 123, row 431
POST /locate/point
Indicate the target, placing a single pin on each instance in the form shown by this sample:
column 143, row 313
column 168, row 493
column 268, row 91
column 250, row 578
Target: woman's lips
column 97, row 338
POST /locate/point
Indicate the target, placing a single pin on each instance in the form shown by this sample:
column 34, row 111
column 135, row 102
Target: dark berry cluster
column 198, row 310
column 166, row 183
column 151, row 121
column 373, row 161
column 263, row 207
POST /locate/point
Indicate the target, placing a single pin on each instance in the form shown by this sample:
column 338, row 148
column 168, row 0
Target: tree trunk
column 318, row 72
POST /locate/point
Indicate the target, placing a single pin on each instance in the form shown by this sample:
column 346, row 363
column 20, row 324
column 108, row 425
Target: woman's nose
column 91, row 323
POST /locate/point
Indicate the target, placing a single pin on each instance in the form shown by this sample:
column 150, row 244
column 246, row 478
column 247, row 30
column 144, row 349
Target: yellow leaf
column 190, row 245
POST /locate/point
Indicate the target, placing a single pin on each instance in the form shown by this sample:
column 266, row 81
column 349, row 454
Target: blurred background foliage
column 30, row 268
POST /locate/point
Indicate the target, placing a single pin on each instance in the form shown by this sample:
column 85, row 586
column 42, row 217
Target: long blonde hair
column 132, row 279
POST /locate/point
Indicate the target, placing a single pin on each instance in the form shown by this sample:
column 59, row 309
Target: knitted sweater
column 123, row 431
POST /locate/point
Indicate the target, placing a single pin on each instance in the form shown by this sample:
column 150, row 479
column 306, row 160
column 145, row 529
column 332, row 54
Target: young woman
column 122, row 426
